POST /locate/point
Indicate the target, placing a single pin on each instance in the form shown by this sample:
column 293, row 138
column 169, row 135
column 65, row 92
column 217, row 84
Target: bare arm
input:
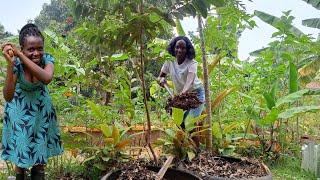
column 44, row 75
column 189, row 82
column 11, row 78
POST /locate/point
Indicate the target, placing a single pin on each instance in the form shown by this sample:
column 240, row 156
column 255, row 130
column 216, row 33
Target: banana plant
column 312, row 22
column 276, row 22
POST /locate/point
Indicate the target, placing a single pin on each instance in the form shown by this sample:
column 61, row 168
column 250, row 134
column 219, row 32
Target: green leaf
column 270, row 100
column 217, row 3
column 313, row 23
column 170, row 133
column 274, row 21
column 216, row 131
column 270, row 118
column 165, row 16
column 96, row 110
column 179, row 28
column 252, row 114
column 190, row 122
column 293, row 78
column 106, row 130
column 119, row 57
column 202, row 7
column 177, row 115
column 292, row 97
column 314, row 3
column 298, row 110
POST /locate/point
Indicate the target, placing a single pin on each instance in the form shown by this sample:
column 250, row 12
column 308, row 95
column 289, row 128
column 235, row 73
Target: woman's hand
column 9, row 51
column 162, row 81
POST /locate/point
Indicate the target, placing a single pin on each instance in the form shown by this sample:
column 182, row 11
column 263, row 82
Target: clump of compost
column 184, row 101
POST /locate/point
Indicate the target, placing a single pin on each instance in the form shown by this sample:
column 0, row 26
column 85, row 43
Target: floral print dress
column 30, row 132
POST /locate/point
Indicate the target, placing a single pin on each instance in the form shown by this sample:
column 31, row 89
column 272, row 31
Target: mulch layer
column 208, row 165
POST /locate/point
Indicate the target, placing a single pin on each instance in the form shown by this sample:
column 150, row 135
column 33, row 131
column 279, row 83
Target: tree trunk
column 206, row 85
column 148, row 134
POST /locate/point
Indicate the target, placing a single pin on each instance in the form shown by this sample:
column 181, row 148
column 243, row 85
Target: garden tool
column 168, row 89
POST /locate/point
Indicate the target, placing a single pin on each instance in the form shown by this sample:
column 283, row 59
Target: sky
column 260, row 36
column 15, row 15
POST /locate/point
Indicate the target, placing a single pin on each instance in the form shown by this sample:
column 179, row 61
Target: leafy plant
column 112, row 150
column 181, row 142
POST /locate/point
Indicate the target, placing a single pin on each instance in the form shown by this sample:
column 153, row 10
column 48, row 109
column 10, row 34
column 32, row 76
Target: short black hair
column 190, row 49
column 29, row 29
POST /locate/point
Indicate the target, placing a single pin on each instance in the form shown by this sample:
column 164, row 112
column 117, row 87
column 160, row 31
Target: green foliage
column 293, row 78
column 178, row 141
column 312, row 22
column 111, row 152
column 298, row 110
column 283, row 23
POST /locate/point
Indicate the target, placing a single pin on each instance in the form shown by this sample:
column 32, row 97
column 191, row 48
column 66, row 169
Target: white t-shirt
column 179, row 74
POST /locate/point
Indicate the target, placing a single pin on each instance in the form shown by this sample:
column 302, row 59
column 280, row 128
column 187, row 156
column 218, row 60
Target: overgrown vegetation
column 105, row 76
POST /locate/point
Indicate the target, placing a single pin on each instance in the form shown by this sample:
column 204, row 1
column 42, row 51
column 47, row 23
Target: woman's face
column 180, row 50
column 33, row 48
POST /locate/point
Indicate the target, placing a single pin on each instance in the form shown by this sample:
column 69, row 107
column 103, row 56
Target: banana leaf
column 314, row 3
column 298, row 110
column 313, row 23
column 273, row 20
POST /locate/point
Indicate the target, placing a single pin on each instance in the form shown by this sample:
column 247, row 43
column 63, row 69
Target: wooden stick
column 164, row 168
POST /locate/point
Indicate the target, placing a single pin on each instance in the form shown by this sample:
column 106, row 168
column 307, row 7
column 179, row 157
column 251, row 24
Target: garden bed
column 209, row 166
column 139, row 170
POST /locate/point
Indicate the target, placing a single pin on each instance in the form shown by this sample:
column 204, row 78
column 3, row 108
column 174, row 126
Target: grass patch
column 290, row 168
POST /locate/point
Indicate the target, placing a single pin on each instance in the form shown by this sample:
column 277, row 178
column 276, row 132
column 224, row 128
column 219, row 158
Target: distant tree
column 57, row 15
column 3, row 33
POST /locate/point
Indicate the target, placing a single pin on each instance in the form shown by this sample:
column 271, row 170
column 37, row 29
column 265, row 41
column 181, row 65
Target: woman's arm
column 11, row 78
column 162, row 78
column 44, row 75
column 189, row 82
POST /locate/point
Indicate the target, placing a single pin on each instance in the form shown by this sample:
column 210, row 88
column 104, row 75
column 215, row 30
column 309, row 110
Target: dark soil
column 184, row 101
column 207, row 165
column 135, row 170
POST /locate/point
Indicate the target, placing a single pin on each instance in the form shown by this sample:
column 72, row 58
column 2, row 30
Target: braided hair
column 29, row 30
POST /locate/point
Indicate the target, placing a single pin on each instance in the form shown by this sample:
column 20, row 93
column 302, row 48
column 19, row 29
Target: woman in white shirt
column 183, row 72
